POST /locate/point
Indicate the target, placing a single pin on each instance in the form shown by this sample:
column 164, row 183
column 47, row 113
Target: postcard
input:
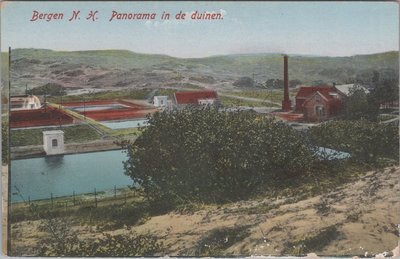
column 199, row 128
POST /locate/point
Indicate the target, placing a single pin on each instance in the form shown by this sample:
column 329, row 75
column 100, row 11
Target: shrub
column 48, row 89
column 205, row 155
column 62, row 241
column 244, row 82
column 218, row 240
column 366, row 141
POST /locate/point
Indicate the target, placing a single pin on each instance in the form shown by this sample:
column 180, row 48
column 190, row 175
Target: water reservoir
column 104, row 107
column 37, row 178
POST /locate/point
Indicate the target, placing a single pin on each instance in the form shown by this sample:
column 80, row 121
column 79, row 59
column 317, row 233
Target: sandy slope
column 354, row 219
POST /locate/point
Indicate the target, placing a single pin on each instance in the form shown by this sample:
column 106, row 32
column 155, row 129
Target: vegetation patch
column 218, row 240
column 210, row 156
column 52, row 89
column 366, row 141
column 62, row 241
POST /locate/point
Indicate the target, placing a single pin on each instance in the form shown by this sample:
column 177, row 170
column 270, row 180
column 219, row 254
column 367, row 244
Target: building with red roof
column 196, row 97
column 319, row 102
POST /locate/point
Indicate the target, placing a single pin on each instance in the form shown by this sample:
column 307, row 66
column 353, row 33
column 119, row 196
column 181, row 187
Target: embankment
column 72, row 148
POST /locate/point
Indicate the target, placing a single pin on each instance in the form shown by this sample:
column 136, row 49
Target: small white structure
column 160, row 101
column 53, row 142
column 26, row 102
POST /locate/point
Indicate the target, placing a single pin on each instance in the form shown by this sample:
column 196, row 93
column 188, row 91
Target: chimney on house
column 286, row 103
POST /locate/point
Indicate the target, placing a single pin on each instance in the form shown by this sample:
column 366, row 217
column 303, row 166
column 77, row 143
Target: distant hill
column 119, row 69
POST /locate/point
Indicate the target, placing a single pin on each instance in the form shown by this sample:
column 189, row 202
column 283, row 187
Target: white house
column 53, row 142
column 160, row 101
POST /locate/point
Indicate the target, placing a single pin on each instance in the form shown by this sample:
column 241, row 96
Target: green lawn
column 73, row 134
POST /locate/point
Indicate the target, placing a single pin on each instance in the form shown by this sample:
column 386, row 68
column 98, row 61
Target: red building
column 196, row 97
column 319, row 102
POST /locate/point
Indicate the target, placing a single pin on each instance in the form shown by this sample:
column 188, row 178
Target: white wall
column 160, row 101
column 53, row 142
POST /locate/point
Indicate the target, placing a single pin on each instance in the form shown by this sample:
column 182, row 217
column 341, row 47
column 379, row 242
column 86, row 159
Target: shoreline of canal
column 24, row 152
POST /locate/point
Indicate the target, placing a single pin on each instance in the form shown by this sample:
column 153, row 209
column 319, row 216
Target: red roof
column 308, row 91
column 194, row 97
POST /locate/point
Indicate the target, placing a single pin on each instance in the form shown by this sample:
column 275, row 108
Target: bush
column 205, row 155
column 244, row 82
column 62, row 241
column 366, row 141
column 48, row 89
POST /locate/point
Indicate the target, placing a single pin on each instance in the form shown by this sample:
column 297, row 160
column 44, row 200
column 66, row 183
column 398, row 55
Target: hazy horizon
column 217, row 55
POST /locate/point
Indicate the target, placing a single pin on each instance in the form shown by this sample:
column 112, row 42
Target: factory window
column 319, row 111
column 54, row 142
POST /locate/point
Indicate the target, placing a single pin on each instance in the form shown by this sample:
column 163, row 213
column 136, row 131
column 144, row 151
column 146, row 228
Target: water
column 125, row 124
column 97, row 107
column 331, row 154
column 37, row 178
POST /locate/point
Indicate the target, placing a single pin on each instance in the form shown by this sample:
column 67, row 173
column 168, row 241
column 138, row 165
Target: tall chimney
column 286, row 103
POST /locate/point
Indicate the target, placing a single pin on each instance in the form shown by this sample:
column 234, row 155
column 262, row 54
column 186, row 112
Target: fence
column 113, row 196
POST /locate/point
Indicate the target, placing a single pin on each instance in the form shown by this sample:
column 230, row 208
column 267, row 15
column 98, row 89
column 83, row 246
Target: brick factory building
column 319, row 103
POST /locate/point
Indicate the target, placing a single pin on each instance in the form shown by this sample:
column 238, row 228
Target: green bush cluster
column 366, row 141
column 206, row 155
column 52, row 89
column 62, row 241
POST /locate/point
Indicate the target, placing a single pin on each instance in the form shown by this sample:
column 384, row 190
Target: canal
column 38, row 178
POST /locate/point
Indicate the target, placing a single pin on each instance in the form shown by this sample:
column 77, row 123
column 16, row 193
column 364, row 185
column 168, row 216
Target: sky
column 307, row 28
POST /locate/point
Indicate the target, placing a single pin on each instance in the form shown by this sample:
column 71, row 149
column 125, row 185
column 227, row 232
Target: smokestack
column 286, row 103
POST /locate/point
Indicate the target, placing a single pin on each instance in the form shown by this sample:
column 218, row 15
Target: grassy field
column 73, row 134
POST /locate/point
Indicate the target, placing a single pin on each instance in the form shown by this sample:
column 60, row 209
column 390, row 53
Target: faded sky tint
column 308, row 28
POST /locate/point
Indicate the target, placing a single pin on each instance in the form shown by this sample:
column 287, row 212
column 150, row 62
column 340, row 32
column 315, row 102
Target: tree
column 48, row 89
column 274, row 83
column 386, row 92
column 360, row 105
column 244, row 82
column 206, row 155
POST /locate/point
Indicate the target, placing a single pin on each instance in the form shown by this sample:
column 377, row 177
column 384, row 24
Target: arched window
column 54, row 142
